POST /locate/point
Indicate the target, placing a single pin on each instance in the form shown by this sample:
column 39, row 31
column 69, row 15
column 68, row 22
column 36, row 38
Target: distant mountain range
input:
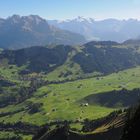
column 23, row 31
column 108, row 29
column 20, row 32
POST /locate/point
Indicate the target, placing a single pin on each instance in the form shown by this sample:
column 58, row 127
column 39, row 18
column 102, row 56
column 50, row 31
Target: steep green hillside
column 105, row 58
column 37, row 59
column 70, row 63
column 132, row 126
column 109, row 127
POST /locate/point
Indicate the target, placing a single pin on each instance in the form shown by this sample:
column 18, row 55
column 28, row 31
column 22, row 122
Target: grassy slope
column 69, row 66
column 64, row 98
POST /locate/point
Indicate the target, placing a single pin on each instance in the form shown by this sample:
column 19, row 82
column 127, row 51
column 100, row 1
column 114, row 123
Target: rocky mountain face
column 109, row 29
column 19, row 32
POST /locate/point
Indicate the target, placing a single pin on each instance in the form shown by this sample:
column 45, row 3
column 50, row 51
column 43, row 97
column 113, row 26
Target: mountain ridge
column 90, row 57
column 107, row 29
column 23, row 31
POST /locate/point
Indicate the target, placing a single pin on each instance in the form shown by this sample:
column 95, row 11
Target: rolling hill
column 100, row 57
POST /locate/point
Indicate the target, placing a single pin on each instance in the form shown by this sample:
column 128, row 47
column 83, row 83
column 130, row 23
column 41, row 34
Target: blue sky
column 64, row 9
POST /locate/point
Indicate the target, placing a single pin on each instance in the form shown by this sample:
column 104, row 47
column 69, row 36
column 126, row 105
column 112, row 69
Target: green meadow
column 63, row 101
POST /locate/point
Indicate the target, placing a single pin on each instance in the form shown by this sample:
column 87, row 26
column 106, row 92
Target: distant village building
column 84, row 104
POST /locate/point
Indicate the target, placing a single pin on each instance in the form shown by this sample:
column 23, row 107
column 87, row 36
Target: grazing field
column 64, row 101
column 63, row 98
